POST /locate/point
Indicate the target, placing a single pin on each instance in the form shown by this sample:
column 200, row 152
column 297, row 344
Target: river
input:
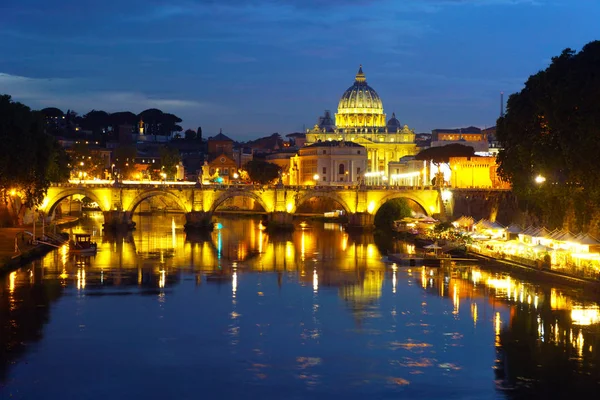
column 311, row 314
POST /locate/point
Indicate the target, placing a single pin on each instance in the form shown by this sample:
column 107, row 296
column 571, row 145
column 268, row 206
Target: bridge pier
column 280, row 220
column 118, row 220
column 201, row 220
column 360, row 221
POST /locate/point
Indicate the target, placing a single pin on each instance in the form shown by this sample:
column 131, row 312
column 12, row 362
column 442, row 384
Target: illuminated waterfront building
column 361, row 119
column 328, row 163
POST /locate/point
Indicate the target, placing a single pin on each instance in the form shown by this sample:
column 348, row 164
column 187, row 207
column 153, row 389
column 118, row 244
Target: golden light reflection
column 585, row 316
column 476, row 276
column 344, row 241
column 315, row 281
column 456, row 300
column 64, row 254
column 80, row 278
column 579, row 343
column 302, row 246
column 497, row 327
column 474, row 313
column 394, row 280
column 173, row 235
column 11, row 281
column 162, row 279
column 423, row 278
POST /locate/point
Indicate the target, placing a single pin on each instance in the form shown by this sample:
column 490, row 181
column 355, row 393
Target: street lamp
column 163, row 176
column 540, row 179
column 316, row 178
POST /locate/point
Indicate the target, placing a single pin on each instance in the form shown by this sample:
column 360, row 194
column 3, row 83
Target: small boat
column 82, row 244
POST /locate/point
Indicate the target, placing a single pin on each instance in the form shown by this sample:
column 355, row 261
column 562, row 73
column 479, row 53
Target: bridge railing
column 238, row 186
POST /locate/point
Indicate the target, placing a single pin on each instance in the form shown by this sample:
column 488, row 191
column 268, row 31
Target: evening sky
column 256, row 67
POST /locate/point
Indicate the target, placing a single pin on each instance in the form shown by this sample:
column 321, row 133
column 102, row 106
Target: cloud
column 77, row 94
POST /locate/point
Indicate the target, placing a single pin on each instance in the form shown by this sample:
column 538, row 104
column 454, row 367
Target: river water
column 311, row 314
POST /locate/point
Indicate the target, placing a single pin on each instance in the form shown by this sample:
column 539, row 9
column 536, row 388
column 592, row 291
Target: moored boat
column 82, row 244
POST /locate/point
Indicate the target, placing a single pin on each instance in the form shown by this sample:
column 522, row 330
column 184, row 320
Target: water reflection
column 310, row 312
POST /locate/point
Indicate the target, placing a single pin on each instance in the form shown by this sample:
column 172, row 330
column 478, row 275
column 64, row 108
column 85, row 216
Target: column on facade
column 373, row 160
column 386, row 161
column 351, row 172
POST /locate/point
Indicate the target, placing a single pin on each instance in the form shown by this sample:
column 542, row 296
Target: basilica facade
column 360, row 119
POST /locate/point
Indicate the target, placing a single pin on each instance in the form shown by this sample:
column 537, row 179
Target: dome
column 393, row 124
column 360, row 106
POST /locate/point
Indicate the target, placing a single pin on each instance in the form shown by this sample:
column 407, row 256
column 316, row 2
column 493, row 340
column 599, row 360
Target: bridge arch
column 239, row 193
column 145, row 195
column 397, row 195
column 328, row 195
column 60, row 196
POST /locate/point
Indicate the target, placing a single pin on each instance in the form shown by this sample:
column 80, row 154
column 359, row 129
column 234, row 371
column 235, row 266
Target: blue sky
column 256, row 67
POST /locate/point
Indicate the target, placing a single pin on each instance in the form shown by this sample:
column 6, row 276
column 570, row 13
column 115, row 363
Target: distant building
column 360, row 119
column 297, row 139
column 328, row 163
column 221, row 163
column 220, row 144
column 475, row 172
column 470, row 136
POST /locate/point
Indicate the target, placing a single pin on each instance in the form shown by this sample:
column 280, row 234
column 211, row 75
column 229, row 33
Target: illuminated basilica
column 360, row 119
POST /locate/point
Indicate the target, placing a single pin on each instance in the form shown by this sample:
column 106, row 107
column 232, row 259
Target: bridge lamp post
column 316, row 178
column 540, row 179
column 164, row 177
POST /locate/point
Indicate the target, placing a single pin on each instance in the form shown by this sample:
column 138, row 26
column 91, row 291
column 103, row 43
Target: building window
column 358, row 152
column 324, row 170
column 341, row 169
column 324, row 151
column 358, row 171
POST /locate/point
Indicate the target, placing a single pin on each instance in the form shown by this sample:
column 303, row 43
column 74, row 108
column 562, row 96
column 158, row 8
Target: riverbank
column 586, row 286
column 12, row 258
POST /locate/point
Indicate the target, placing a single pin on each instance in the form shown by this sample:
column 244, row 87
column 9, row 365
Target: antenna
column 501, row 104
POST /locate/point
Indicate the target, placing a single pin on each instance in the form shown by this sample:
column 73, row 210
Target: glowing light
column 371, row 207
column 540, row 179
column 173, row 236
column 315, row 281
column 162, row 279
column 80, row 278
column 394, row 280
column 289, row 207
column 497, row 326
column 476, row 276
column 456, row 300
column 474, row 313
column 234, row 283
column 11, row 281
column 446, row 195
column 585, row 316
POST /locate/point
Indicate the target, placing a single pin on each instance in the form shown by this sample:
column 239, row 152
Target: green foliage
column 551, row 129
column 262, row 172
column 29, row 159
column 391, row 211
column 169, row 158
column 190, row 134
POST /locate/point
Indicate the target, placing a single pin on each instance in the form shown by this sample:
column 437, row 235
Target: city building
column 328, row 163
column 221, row 164
column 361, row 119
column 474, row 172
column 471, row 136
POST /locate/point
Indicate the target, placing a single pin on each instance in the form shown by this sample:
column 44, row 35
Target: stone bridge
column 119, row 201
